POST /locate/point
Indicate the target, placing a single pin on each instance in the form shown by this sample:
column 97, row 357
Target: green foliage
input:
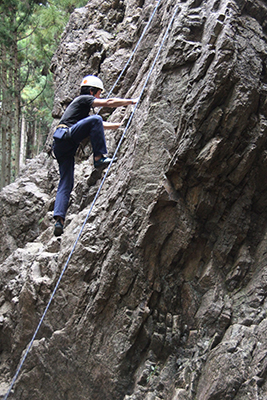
column 14, row 16
column 30, row 31
column 153, row 371
column 42, row 38
column 44, row 33
column 36, row 26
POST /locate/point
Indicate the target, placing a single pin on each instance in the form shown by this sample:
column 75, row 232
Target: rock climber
column 74, row 126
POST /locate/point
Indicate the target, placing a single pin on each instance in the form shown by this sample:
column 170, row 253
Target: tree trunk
column 23, row 140
column 3, row 116
column 30, row 140
column 16, row 122
column 8, row 129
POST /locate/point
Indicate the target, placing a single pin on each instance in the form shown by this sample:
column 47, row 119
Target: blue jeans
column 65, row 149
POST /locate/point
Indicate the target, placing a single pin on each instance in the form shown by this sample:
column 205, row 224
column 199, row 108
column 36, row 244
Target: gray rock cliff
column 164, row 296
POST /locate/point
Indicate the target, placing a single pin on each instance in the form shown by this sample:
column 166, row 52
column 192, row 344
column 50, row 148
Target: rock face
column 164, row 296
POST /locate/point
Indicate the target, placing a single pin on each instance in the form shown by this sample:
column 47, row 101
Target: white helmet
column 94, row 81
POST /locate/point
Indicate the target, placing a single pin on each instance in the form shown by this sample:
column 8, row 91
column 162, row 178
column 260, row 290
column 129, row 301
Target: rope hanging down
column 89, row 212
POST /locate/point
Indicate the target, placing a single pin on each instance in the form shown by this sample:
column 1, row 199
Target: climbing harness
column 94, row 201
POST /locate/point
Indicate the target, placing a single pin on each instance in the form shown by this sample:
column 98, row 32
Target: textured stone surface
column 165, row 294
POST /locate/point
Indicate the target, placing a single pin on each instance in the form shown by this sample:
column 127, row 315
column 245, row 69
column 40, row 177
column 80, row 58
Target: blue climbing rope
column 92, row 205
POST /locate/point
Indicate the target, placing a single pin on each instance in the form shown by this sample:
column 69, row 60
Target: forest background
column 30, row 31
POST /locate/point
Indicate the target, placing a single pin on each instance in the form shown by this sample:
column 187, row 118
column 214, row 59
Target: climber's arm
column 111, row 125
column 113, row 102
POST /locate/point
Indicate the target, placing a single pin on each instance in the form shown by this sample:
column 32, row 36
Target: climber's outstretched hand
column 111, row 125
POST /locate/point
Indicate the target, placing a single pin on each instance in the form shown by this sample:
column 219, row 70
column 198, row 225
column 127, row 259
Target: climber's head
column 92, row 85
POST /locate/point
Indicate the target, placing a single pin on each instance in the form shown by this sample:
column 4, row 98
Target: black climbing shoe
column 58, row 228
column 103, row 162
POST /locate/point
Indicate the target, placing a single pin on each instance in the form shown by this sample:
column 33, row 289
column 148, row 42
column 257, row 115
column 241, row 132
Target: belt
column 62, row 126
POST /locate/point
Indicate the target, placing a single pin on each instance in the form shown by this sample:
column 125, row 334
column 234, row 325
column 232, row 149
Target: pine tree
column 30, row 30
column 14, row 17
